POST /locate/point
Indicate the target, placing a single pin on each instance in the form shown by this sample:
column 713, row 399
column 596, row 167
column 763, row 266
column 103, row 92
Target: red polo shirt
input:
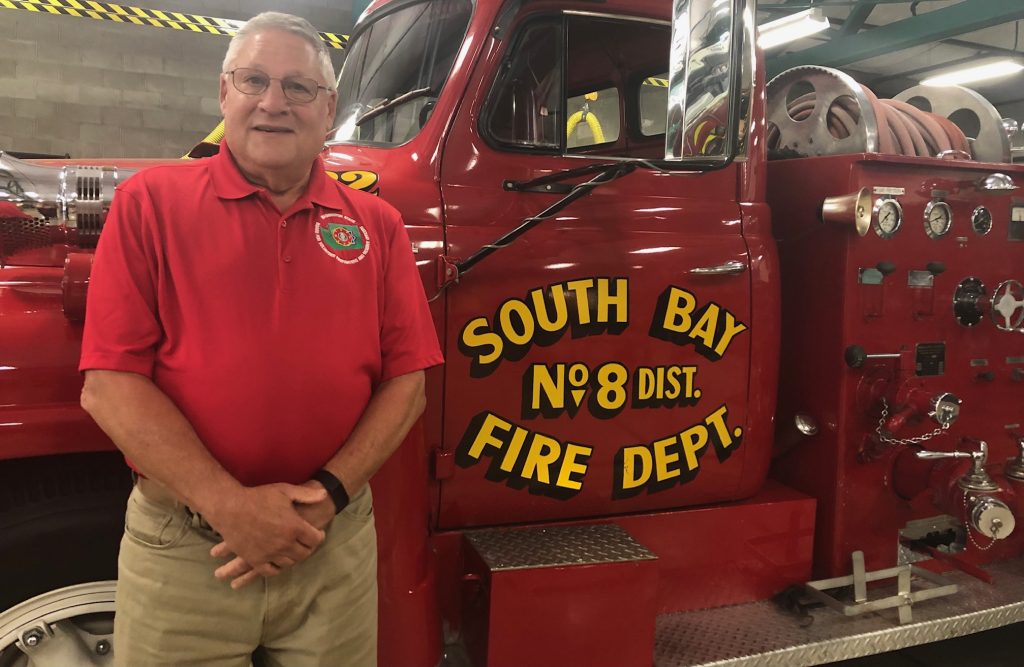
column 269, row 331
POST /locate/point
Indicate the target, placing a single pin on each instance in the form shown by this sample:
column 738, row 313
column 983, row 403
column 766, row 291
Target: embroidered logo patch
column 342, row 238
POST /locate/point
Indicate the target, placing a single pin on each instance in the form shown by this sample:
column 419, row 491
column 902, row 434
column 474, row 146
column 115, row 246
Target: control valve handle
column 976, row 478
column 855, row 356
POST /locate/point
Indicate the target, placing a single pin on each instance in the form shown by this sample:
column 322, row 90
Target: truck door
column 598, row 363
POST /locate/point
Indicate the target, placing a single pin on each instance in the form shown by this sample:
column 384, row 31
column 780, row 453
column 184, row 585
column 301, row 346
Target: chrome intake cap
column 42, row 205
column 85, row 197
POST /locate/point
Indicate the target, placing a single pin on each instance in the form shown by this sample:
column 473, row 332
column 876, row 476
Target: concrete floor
column 1003, row 647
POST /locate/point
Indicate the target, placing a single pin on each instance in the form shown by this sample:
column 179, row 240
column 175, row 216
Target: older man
column 255, row 345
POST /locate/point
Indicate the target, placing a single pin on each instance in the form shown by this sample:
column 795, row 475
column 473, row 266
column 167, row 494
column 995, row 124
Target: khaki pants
column 171, row 610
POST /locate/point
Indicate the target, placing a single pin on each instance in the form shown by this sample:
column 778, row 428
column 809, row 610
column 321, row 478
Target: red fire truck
column 698, row 407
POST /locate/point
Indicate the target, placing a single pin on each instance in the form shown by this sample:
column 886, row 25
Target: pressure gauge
column 938, row 219
column 981, row 220
column 887, row 217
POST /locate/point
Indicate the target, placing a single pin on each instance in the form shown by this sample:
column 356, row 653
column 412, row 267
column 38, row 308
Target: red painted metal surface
column 407, row 582
column 647, row 228
column 825, row 309
column 556, row 616
column 39, row 380
column 706, row 556
column 75, row 284
column 730, row 553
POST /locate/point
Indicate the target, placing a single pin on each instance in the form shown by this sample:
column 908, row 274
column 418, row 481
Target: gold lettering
column 538, row 461
column 485, row 436
column 620, row 300
column 662, row 459
column 507, row 325
column 580, row 289
column 677, row 314
column 561, row 309
column 552, row 387
column 636, row 466
column 472, row 337
column 508, row 462
column 645, row 383
column 570, row 465
column 717, row 420
column 732, row 328
column 693, row 439
column 689, row 372
column 704, row 329
column 672, row 377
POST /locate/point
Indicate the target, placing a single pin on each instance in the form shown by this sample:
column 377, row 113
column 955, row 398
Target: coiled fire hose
column 902, row 128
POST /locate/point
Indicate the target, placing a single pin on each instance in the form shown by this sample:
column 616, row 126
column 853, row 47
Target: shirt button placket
column 283, row 253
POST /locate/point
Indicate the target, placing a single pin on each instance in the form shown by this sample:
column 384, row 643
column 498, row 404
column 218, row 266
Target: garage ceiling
column 890, row 45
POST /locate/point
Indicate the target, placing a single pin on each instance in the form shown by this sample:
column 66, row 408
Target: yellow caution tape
column 105, row 11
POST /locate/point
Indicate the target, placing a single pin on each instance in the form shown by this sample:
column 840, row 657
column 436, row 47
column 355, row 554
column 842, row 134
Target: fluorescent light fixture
column 792, row 27
column 990, row 70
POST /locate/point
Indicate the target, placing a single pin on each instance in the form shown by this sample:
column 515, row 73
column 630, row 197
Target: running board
column 762, row 634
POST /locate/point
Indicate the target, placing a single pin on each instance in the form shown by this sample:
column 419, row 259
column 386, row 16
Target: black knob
column 935, row 268
column 1017, row 374
column 986, row 376
column 885, row 268
column 855, row 356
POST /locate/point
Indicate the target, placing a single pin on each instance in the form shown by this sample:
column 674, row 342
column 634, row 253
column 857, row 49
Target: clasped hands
column 268, row 529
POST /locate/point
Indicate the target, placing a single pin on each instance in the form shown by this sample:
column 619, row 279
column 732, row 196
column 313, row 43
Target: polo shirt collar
column 227, row 180
column 229, row 183
column 322, row 189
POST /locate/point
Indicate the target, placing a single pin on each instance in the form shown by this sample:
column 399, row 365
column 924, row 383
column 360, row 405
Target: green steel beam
column 856, row 18
column 966, row 16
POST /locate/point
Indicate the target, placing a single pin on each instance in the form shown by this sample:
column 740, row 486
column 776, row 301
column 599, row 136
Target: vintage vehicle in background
column 681, row 380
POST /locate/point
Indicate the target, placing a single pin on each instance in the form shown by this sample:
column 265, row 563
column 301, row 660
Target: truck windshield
column 395, row 69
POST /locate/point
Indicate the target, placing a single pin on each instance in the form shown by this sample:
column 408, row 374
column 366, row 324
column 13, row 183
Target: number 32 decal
column 357, row 180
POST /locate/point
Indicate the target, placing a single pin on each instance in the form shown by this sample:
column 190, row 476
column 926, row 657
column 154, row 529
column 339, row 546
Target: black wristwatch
column 335, row 489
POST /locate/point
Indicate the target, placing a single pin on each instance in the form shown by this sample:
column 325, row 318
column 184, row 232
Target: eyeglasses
column 298, row 89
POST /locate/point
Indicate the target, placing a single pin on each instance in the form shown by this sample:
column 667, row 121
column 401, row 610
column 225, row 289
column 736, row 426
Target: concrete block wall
column 94, row 88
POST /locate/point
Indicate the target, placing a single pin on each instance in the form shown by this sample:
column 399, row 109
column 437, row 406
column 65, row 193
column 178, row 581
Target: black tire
column 61, row 520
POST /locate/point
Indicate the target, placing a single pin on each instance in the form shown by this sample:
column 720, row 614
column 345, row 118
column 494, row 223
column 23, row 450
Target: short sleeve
column 122, row 325
column 408, row 341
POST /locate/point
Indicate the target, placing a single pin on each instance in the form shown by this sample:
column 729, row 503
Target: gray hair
column 287, row 23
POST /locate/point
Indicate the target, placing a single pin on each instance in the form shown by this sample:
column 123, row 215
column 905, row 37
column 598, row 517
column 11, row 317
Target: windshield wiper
column 375, row 111
column 605, row 174
column 549, row 184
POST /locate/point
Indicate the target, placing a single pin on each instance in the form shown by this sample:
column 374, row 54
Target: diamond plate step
column 760, row 634
column 557, row 546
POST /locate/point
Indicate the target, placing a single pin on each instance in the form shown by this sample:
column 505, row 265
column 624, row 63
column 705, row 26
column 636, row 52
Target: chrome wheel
column 67, row 627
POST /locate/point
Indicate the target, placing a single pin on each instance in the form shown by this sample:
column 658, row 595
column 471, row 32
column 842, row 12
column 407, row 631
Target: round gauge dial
column 981, row 220
column 938, row 219
column 887, row 217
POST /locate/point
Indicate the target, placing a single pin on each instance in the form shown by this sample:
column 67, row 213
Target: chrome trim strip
column 620, row 17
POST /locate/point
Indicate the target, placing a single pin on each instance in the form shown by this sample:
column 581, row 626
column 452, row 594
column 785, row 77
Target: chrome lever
column 730, row 268
column 976, row 478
